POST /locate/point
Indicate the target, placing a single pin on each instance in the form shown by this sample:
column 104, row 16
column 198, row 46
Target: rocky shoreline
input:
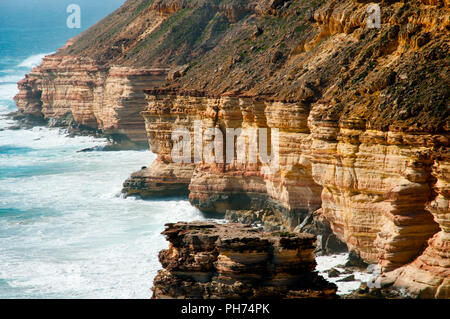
column 115, row 142
column 234, row 261
column 206, row 260
column 362, row 119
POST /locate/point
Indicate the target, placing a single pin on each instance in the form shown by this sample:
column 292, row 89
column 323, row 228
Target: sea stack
column 235, row 261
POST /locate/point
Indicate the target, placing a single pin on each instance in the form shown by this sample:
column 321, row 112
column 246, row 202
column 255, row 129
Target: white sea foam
column 12, row 78
column 325, row 263
column 7, row 91
column 8, row 86
column 64, row 231
column 33, row 60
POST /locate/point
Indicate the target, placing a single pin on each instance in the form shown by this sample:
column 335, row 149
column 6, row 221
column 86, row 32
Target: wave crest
column 33, row 60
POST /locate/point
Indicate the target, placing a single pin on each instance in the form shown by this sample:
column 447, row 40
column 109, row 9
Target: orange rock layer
column 385, row 194
column 95, row 96
column 363, row 129
column 211, row 261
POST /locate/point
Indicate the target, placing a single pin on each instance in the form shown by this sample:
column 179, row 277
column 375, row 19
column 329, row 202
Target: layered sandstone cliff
column 429, row 275
column 69, row 90
column 212, row 261
column 96, row 81
column 218, row 187
column 385, row 194
column 363, row 134
column 359, row 116
column 373, row 186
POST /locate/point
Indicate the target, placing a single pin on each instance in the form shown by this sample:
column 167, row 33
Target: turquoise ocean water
column 65, row 230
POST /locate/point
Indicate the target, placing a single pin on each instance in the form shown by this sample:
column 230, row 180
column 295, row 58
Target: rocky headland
column 362, row 115
column 231, row 261
column 78, row 93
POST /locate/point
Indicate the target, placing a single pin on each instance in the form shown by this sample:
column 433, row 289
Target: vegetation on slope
column 292, row 50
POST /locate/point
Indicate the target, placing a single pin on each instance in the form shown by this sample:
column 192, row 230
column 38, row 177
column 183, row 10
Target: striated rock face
column 363, row 133
column 359, row 116
column 376, row 186
column 71, row 90
column 378, row 190
column 373, row 186
column 95, row 81
column 211, row 261
column 429, row 275
column 164, row 177
column 159, row 180
column 215, row 187
column 314, row 223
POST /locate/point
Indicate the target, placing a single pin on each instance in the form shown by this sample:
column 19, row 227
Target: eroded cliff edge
column 363, row 114
column 363, row 119
column 235, row 261
column 77, row 92
column 96, row 82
